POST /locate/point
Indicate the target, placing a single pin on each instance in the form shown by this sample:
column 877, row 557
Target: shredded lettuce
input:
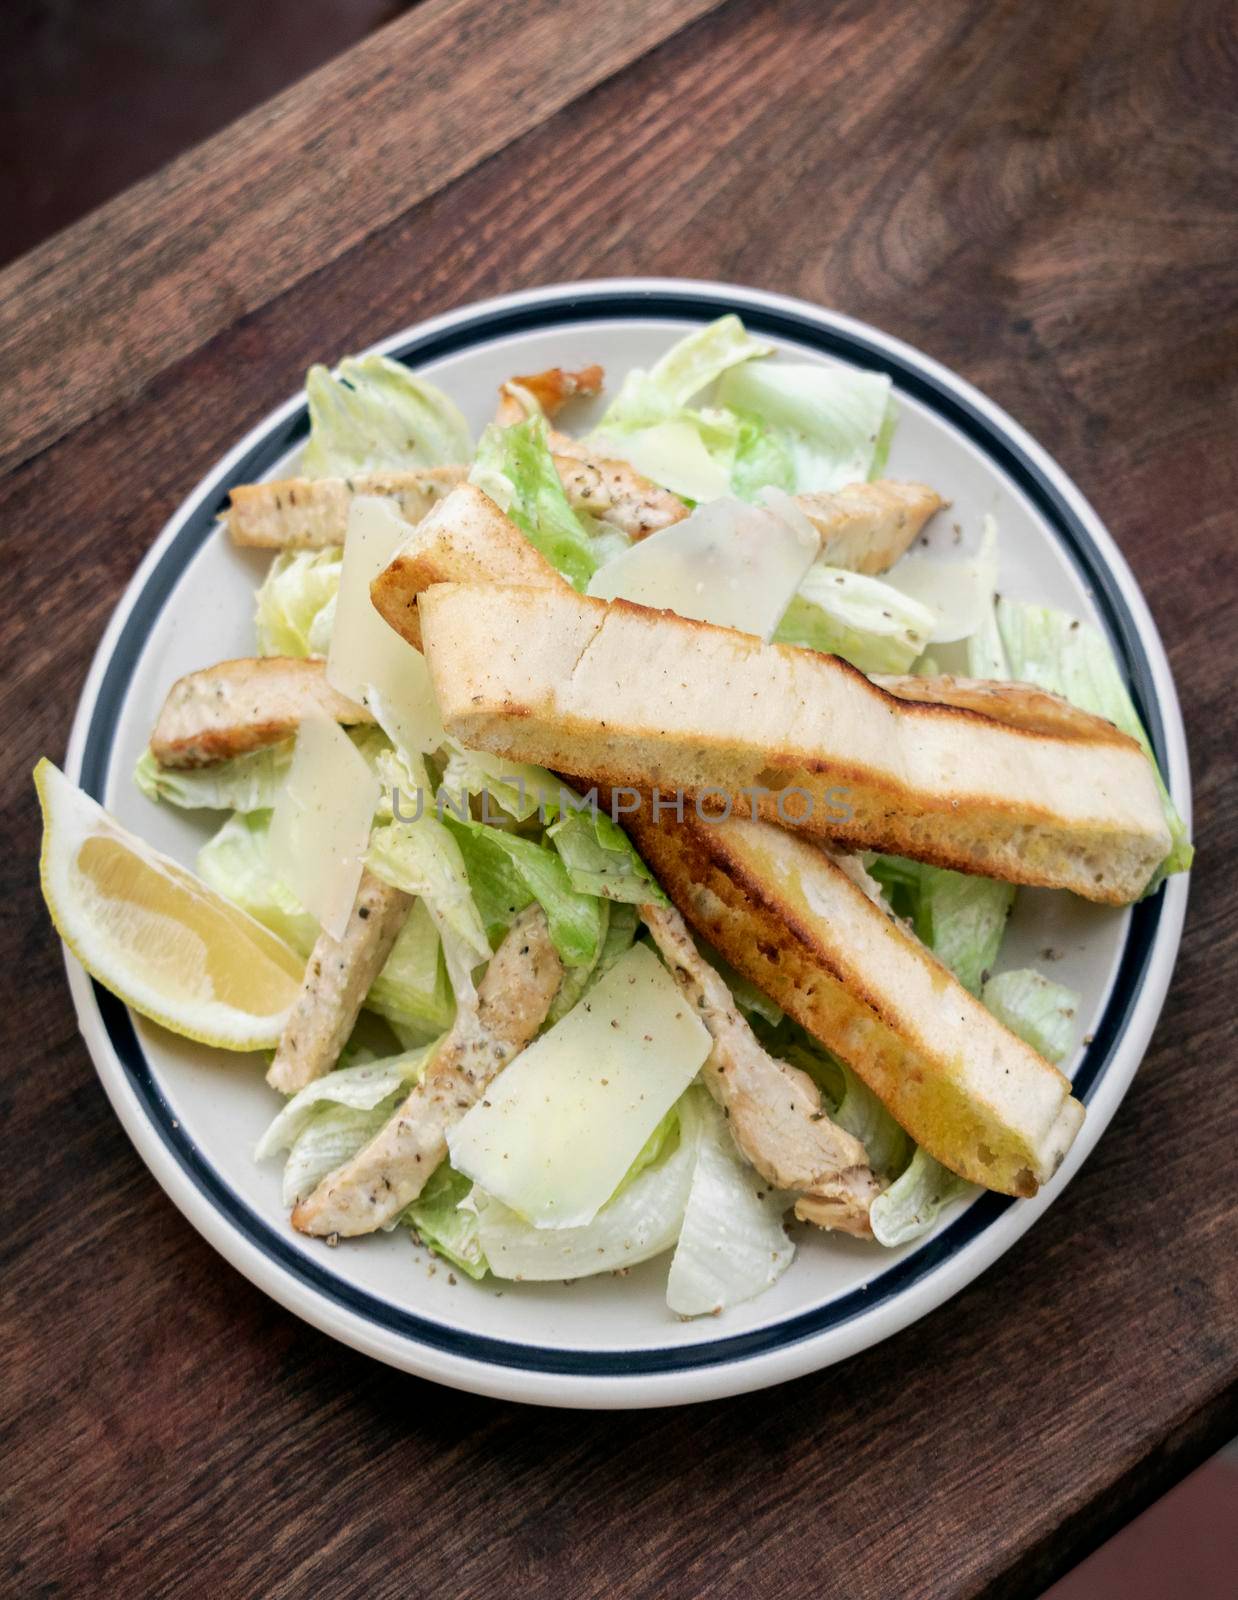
column 512, row 786
column 419, row 855
column 961, row 918
column 245, row 783
column 412, row 990
column 329, row 1120
column 690, row 365
column 515, row 468
column 236, row 863
column 619, row 924
column 831, row 422
column 450, row 1232
column 732, row 1244
column 866, row 621
column 507, row 872
column 914, row 1201
column 1041, row 1012
column 701, row 454
column 600, row 858
column 1056, row 652
column 373, row 415
column 296, row 604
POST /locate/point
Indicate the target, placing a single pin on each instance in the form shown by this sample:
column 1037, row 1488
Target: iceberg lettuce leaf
column 412, row 990
column 681, row 373
column 329, row 1120
column 1070, row 658
column 864, row 620
column 245, row 783
column 732, row 1244
column 507, row 872
column 961, row 918
column 236, row 863
column 296, row 603
column 1041, row 1012
column 833, row 423
column 915, row 1200
column 515, row 787
column 601, row 860
column 374, row 415
column 416, row 852
column 440, row 1223
column 515, row 468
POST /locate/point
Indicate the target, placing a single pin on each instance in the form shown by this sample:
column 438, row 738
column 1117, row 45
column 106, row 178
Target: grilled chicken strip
column 613, row 491
column 866, row 527
column 391, row 1171
column 550, row 391
column 337, row 979
column 237, row 706
column 312, row 513
column 773, row 1109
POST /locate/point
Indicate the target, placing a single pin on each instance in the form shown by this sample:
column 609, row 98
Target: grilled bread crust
column 794, row 921
column 627, row 695
column 465, row 539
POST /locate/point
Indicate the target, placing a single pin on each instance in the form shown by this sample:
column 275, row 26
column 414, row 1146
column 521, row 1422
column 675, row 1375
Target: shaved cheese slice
column 561, row 1126
column 959, row 594
column 729, row 562
column 368, row 660
column 320, row 826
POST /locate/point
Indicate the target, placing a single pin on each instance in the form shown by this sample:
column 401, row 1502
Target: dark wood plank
column 91, row 316
column 1041, row 201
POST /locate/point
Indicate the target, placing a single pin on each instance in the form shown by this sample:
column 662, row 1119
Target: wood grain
column 287, row 189
column 1043, row 200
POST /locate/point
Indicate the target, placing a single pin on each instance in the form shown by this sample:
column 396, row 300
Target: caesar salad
column 619, row 828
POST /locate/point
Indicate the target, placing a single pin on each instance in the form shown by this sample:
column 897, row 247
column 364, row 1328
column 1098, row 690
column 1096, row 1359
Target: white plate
column 194, row 1114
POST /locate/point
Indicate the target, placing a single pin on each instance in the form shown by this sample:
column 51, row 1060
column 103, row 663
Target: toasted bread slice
column 1021, row 705
column 312, row 513
column 465, row 539
column 625, row 695
column 795, row 921
column 238, row 706
column 866, row 527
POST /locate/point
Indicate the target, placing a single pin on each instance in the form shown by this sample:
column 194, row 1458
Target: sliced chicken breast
column 337, row 979
column 773, row 1109
column 237, row 706
column 513, row 998
column 866, row 527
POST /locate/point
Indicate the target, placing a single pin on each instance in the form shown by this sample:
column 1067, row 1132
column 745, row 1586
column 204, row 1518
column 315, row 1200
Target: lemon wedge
column 153, row 933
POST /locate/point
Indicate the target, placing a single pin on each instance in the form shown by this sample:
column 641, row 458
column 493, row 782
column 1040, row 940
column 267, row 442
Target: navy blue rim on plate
column 572, row 307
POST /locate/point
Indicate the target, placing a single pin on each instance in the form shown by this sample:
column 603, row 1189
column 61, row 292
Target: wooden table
column 1041, row 196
